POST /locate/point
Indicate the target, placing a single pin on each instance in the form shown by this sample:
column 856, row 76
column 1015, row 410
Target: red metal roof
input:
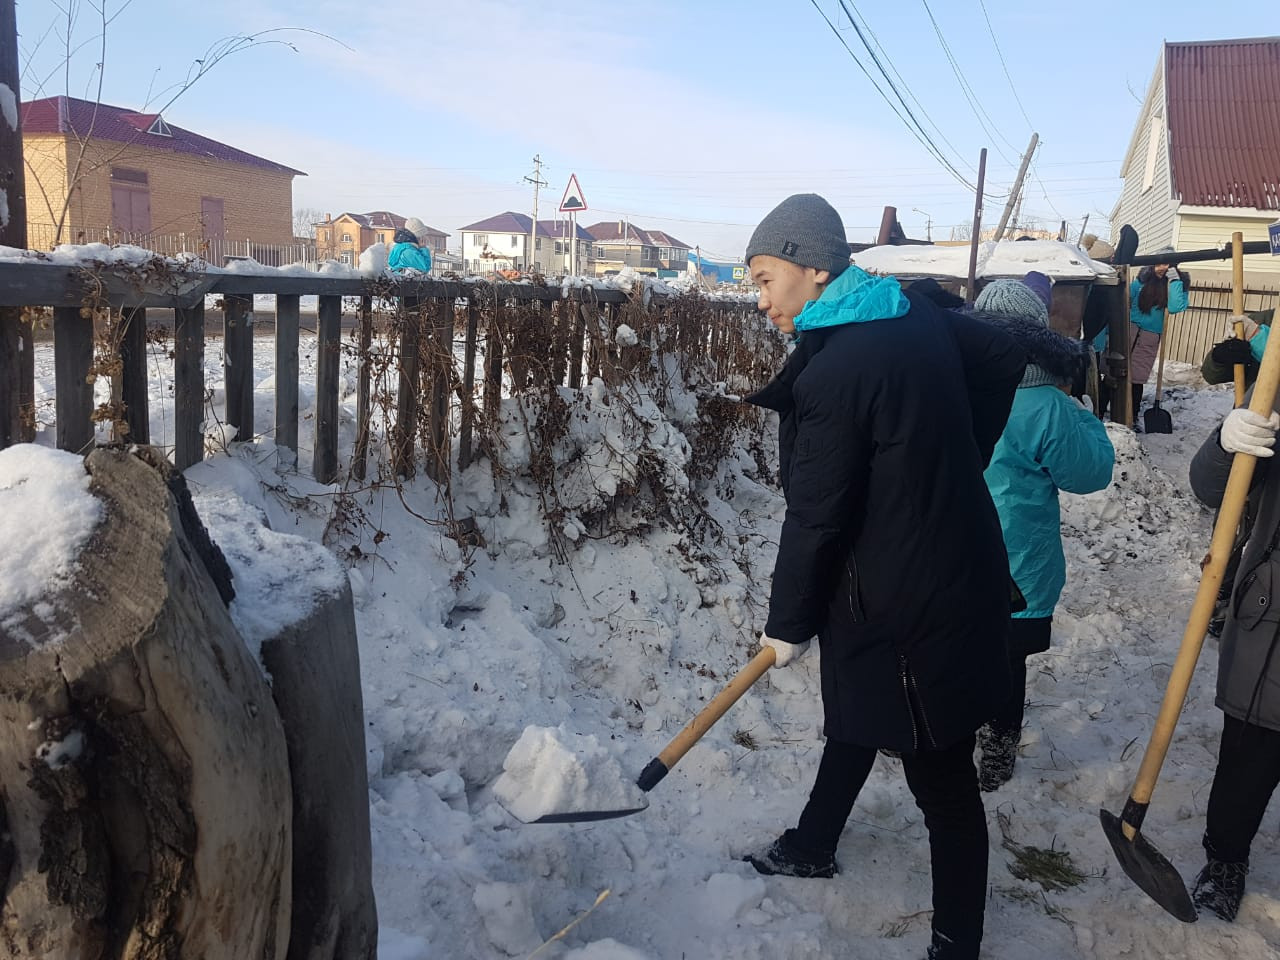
column 84, row 118
column 1223, row 100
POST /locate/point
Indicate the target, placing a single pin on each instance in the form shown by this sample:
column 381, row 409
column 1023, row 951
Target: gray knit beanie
column 1012, row 298
column 805, row 230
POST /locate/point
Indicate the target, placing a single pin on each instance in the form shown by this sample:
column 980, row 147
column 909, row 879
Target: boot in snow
column 1220, row 887
column 943, row 947
column 999, row 751
column 786, row 857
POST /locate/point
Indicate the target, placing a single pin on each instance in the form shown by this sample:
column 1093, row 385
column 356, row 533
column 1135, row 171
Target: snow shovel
column 1139, row 858
column 661, row 765
column 1155, row 419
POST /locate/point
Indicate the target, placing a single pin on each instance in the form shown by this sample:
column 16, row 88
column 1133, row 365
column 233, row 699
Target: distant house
column 620, row 243
column 500, row 242
column 1204, row 158
column 345, row 236
column 101, row 173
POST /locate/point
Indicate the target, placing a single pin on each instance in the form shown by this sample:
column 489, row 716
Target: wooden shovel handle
column 714, row 710
column 1237, row 305
column 1224, row 535
column 1168, row 321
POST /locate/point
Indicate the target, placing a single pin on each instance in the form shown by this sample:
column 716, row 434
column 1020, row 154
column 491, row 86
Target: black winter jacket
column 891, row 551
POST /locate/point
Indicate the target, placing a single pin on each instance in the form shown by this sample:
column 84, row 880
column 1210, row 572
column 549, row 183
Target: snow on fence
column 512, row 338
column 1191, row 333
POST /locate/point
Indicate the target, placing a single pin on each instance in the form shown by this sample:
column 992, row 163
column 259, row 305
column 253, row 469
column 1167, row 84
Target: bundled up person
column 406, row 255
column 890, row 551
column 1050, row 443
column 1220, row 362
column 1155, row 291
column 1248, row 668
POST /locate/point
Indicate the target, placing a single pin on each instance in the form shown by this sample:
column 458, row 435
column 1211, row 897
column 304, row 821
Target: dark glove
column 1230, row 352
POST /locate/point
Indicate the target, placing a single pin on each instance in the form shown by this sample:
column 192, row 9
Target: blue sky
column 693, row 116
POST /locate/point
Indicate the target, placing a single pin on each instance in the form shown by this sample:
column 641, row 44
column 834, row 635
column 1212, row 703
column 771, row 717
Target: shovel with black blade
column 661, row 765
column 1156, row 419
column 1144, row 864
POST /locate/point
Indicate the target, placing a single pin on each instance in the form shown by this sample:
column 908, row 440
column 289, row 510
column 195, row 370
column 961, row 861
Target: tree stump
column 146, row 791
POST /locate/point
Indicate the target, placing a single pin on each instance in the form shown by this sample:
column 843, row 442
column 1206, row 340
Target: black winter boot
column 999, row 751
column 787, row 857
column 1220, row 887
column 942, row 947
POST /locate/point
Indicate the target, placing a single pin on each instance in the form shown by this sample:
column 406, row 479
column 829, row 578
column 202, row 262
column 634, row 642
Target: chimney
column 328, row 218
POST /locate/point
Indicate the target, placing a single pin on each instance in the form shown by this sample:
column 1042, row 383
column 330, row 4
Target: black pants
column 945, row 786
column 1026, row 636
column 1248, row 772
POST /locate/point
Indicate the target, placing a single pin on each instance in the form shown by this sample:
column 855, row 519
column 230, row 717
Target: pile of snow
column 47, row 491
column 551, row 770
column 1006, row 258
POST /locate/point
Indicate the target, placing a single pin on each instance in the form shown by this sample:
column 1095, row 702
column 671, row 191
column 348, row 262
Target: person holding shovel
column 1050, row 443
column 890, row 552
column 1156, row 290
column 1248, row 768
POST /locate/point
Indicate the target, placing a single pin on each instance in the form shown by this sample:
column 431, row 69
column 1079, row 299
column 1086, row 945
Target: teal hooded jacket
column 854, row 297
column 407, row 256
column 1049, row 444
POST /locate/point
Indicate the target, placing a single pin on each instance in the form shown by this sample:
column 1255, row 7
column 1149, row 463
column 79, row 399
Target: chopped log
column 146, row 798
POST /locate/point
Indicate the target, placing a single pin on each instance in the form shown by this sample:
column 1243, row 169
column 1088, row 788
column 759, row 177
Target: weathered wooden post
column 17, row 357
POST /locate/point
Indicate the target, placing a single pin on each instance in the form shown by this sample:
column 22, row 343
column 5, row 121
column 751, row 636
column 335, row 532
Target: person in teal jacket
column 1050, row 443
column 407, row 255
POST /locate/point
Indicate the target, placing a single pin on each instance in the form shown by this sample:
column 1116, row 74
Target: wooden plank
column 328, row 356
column 72, row 358
column 237, row 363
column 561, row 325
column 468, row 413
column 17, row 378
column 287, row 310
column 360, row 456
column 408, row 398
column 134, row 381
column 493, row 351
column 441, row 374
column 577, row 333
column 188, row 386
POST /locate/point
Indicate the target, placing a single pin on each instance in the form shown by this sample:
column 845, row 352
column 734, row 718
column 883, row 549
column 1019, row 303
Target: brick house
column 620, row 243
column 345, row 236
column 101, row 173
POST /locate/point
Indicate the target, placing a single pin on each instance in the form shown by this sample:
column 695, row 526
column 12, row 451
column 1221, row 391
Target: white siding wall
column 1151, row 211
column 1199, row 232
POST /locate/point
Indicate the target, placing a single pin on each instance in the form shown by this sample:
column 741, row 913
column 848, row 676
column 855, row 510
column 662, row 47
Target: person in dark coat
column 1248, row 668
column 890, row 552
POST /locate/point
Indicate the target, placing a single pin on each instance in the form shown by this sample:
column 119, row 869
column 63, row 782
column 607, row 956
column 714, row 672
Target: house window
column 1153, row 151
column 130, row 201
column 481, row 240
column 559, row 249
column 346, row 258
column 537, row 243
column 599, row 253
column 515, row 241
column 346, row 238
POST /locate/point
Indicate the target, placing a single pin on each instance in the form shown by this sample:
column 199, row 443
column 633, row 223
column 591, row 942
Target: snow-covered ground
column 634, row 634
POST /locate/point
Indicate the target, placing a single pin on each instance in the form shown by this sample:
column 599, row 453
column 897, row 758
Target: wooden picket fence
column 1193, row 332
column 525, row 336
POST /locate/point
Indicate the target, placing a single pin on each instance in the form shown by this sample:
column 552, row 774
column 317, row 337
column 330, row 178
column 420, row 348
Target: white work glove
column 1247, row 432
column 1250, row 326
column 1172, row 274
column 784, row 651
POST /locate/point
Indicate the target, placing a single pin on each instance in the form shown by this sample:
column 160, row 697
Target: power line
column 978, row 110
column 914, row 126
column 1003, row 65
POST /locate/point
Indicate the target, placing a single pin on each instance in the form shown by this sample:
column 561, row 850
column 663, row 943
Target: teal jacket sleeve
column 1077, row 451
column 1177, row 296
column 1258, row 345
column 405, row 256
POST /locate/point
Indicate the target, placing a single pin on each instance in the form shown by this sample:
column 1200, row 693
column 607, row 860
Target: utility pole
column 928, row 224
column 969, row 293
column 17, row 361
column 538, row 183
column 1016, row 192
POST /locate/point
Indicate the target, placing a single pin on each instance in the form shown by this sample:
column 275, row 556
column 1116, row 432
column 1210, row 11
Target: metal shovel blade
column 1157, row 420
column 588, row 816
column 1149, row 869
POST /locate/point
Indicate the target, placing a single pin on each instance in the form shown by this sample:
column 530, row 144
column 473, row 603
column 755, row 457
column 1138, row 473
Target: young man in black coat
column 891, row 552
